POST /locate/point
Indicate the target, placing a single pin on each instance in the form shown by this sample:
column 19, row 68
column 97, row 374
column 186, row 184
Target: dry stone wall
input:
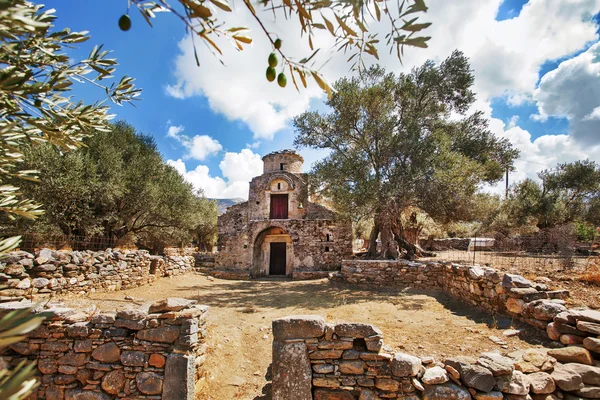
column 483, row 287
column 345, row 361
column 154, row 352
column 23, row 274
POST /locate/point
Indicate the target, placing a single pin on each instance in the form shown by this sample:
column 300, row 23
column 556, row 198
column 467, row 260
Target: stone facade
column 315, row 239
column 48, row 271
column 345, row 361
column 154, row 353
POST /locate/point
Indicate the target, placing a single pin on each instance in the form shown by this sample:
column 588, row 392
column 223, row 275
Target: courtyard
column 423, row 323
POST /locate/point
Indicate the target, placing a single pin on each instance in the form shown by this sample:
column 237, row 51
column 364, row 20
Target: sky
column 536, row 65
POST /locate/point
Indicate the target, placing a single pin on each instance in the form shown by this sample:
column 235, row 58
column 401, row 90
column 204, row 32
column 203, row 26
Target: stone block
column 108, row 352
column 299, row 327
column 152, row 383
column 405, row 365
column 357, row 330
column 291, row 369
column 170, row 304
column 445, row 392
column 324, row 394
column 164, row 334
column 179, row 377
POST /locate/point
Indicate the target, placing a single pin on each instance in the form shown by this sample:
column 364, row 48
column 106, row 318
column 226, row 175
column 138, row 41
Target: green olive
column 125, row 22
column 278, row 44
column 273, row 60
column 281, row 79
column 271, row 74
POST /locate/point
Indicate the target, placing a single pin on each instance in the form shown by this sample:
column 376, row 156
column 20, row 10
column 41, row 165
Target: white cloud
column 505, row 56
column 513, row 121
column 237, row 169
column 198, row 147
column 573, row 91
column 254, row 145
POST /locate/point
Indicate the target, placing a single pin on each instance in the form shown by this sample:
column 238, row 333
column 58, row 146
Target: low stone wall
column 483, row 287
column 445, row 244
column 344, row 361
column 23, row 274
column 154, row 352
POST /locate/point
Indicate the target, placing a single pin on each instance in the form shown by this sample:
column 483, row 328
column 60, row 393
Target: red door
column 279, row 206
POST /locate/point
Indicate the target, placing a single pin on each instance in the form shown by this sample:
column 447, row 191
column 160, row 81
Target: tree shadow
column 266, row 392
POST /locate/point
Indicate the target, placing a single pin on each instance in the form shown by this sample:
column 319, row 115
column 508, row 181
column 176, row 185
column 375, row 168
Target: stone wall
column 344, row 361
column 483, row 287
column 154, row 352
column 23, row 274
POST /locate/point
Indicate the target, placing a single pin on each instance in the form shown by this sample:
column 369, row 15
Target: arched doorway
column 272, row 253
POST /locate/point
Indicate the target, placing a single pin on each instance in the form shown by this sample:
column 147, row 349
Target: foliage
column 347, row 21
column 117, row 185
column 585, row 232
column 19, row 382
column 394, row 146
column 568, row 193
column 35, row 75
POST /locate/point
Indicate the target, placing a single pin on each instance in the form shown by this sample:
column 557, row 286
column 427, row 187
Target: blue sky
column 532, row 62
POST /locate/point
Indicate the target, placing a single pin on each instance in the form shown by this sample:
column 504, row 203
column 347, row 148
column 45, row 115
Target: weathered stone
column 156, row 360
column 515, row 383
column 515, row 305
column 64, row 379
column 170, row 304
column 477, row 377
column 387, row 384
column 67, row 369
column 133, row 358
column 589, row 327
column 324, row 394
column 291, row 367
column 510, row 281
column 357, row 330
column 317, row 381
column 164, row 334
column 567, row 379
column 325, row 354
column 445, row 392
column 493, row 395
column 405, row 365
column 82, row 346
column 79, row 329
column 350, row 355
column 572, row 354
column 368, row 394
column 569, row 340
column 39, row 283
column 108, row 352
column 496, row 363
column 544, row 310
column 592, row 344
column 435, row 376
column 541, row 383
column 134, row 325
column 75, row 359
column 585, row 315
column 552, row 331
column 132, row 314
column 103, row 319
column 47, row 366
column 24, row 284
column 590, row 375
column 352, row 367
column 374, row 343
column 113, row 382
column 323, row 368
column 149, row 383
column 79, row 394
column 299, row 327
column 589, row 392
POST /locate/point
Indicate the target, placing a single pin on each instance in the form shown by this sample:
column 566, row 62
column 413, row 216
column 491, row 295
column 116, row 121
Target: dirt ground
column 419, row 322
column 565, row 273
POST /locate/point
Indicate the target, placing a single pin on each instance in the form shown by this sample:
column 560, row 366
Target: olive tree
column 395, row 148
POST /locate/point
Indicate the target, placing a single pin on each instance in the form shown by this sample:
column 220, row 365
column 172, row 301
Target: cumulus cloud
column 198, row 147
column 573, row 91
column 237, row 170
column 505, row 55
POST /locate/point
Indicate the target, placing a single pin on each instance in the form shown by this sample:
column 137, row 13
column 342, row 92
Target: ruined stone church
column 279, row 231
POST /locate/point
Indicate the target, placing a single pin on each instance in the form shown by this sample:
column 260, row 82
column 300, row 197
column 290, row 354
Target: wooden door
column 279, row 206
column 277, row 260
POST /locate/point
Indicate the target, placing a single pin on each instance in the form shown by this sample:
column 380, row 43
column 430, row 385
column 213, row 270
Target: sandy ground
column 239, row 324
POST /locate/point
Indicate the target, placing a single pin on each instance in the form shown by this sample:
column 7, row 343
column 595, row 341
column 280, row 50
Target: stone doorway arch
column 261, row 251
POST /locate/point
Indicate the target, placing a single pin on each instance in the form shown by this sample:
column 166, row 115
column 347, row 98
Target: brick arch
column 284, row 177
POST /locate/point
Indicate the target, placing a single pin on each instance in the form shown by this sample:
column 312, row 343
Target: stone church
column 279, row 231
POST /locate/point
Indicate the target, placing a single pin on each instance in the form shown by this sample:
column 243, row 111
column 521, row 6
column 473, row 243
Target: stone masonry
column 154, row 352
column 279, row 211
column 48, row 271
column 345, row 361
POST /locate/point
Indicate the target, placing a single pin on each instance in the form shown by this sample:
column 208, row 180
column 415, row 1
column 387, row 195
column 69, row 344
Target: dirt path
column 239, row 331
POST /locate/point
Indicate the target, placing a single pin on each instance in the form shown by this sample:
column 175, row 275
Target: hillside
column 222, row 204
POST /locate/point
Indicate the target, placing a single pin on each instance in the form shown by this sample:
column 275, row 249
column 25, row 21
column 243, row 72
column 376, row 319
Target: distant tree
column 35, row 78
column 568, row 193
column 349, row 22
column 394, row 145
column 116, row 186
